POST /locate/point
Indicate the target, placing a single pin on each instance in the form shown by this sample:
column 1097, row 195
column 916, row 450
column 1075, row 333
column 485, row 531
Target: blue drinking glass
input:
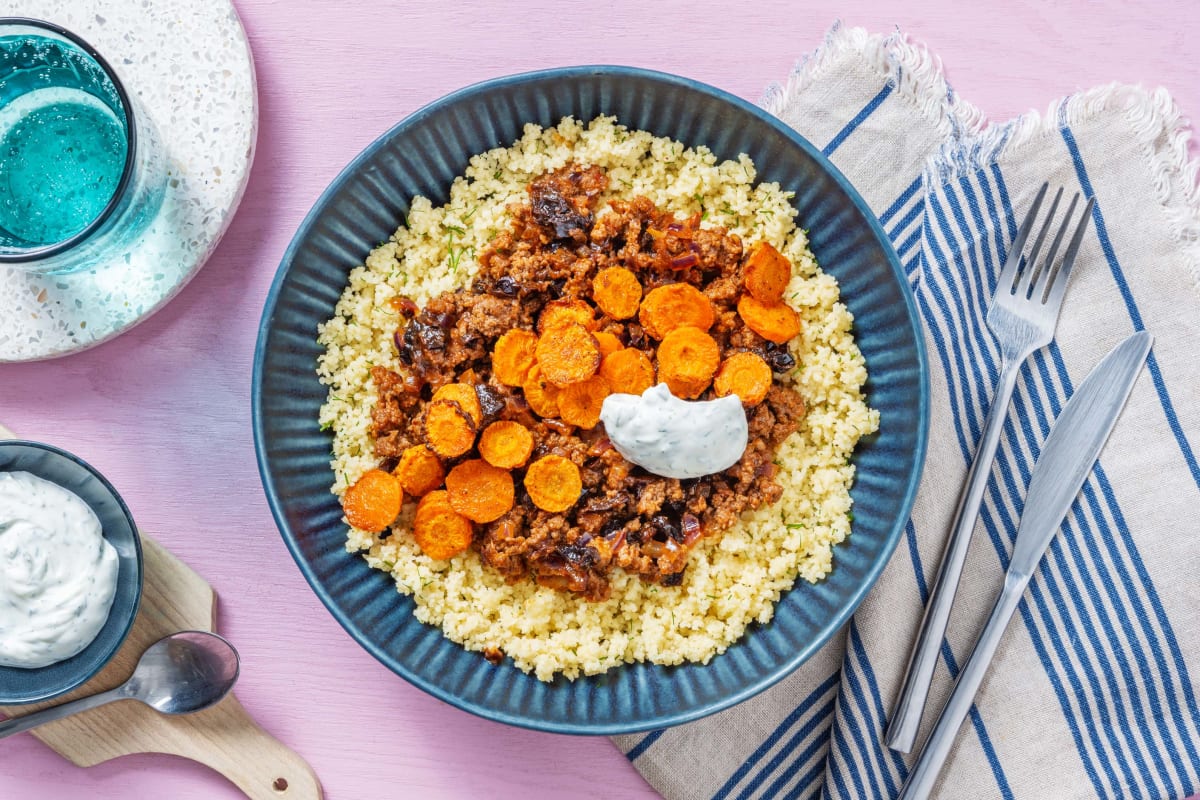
column 82, row 168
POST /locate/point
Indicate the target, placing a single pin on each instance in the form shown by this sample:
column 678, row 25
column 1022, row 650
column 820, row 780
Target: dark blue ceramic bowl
column 421, row 156
column 69, row 472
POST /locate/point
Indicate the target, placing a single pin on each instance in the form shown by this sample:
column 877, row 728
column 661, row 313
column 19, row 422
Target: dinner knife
column 1067, row 458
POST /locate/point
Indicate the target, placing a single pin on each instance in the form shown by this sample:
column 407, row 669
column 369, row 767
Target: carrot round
column 373, row 502
column 674, row 306
column 541, row 394
column 568, row 353
column 479, row 491
column 449, row 430
column 617, row 292
column 506, row 444
column 775, row 322
column 419, row 470
column 627, row 371
column 766, row 273
column 513, row 356
column 464, row 394
column 580, row 403
column 557, row 312
column 553, row 483
column 687, row 359
column 743, row 374
column 609, row 343
column 440, row 531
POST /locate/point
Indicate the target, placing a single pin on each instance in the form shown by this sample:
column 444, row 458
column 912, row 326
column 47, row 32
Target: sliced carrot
column 580, row 403
column 419, row 470
column 743, row 374
column 479, row 491
column 506, row 444
column 449, row 430
column 440, row 531
column 775, row 322
column 687, row 359
column 675, row 305
column 568, row 353
column 373, row 502
column 628, row 371
column 766, row 273
column 541, row 394
column 609, row 343
column 553, row 483
column 513, row 356
column 557, row 312
column 464, row 394
column 617, row 292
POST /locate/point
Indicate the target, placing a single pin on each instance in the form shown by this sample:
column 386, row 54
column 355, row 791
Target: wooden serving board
column 223, row 737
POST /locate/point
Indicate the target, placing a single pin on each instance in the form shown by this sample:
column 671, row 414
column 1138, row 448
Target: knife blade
column 1066, row 460
column 1072, row 448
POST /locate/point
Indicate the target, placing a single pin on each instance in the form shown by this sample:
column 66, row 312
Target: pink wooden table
column 164, row 411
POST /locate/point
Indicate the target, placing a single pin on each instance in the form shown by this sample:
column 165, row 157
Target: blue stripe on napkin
column 644, row 745
column 1134, row 315
column 803, row 747
column 858, row 119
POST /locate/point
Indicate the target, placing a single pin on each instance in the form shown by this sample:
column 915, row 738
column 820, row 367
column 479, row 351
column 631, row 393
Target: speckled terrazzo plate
column 422, row 156
column 189, row 63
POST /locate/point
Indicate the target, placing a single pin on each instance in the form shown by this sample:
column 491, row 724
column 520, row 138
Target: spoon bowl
column 185, row 672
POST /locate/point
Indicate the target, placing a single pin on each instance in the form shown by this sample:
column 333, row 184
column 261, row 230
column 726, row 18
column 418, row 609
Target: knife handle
column 906, row 714
column 925, row 770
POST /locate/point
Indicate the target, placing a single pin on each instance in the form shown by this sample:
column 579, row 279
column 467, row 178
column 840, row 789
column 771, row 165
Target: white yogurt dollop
column 676, row 438
column 58, row 575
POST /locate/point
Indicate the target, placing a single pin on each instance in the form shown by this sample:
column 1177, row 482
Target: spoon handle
column 17, row 724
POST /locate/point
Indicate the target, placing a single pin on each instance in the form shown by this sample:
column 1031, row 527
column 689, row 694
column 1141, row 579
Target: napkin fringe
column 1161, row 131
column 911, row 68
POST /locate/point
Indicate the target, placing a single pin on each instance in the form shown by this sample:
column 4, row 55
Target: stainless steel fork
column 1022, row 315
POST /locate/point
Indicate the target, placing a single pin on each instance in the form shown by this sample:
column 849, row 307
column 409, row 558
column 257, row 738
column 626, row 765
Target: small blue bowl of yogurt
column 70, row 572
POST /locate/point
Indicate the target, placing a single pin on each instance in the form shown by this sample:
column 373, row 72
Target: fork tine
column 1008, row 276
column 1056, row 287
column 1026, row 279
column 1040, row 279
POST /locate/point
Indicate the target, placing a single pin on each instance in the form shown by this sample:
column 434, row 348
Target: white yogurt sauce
column 58, row 575
column 676, row 438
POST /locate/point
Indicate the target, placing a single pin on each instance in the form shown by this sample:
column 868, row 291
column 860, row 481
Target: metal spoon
column 179, row 674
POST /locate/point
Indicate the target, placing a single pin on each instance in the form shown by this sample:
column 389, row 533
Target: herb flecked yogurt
column 58, row 575
column 676, row 438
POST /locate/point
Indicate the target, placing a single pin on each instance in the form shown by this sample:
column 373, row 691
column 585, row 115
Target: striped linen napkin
column 1093, row 690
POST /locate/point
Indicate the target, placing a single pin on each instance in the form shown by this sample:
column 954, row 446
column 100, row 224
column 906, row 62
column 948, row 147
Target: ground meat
column 625, row 517
column 561, row 202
